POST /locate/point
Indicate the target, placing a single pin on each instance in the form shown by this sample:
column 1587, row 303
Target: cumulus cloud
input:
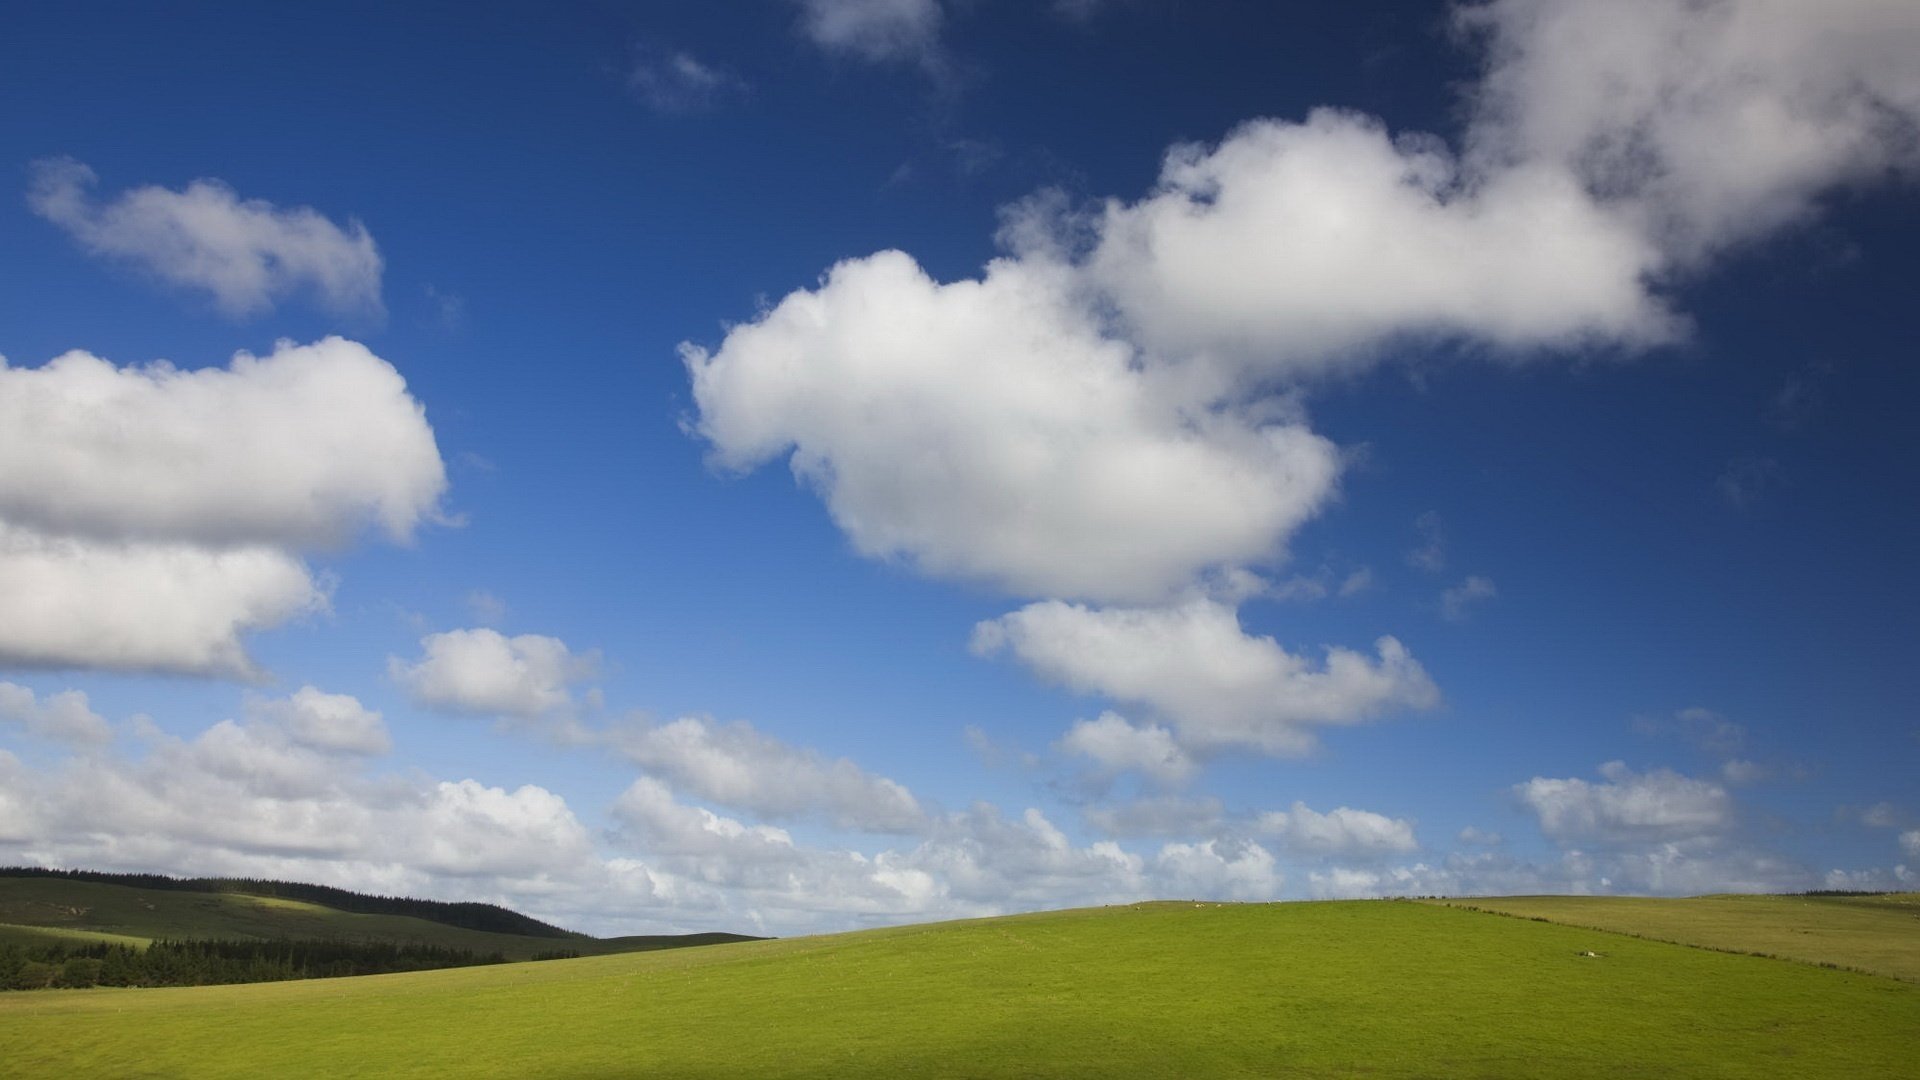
column 1340, row 831
column 1292, row 248
column 1910, row 842
column 332, row 722
column 737, row 766
column 1708, row 124
column 876, row 30
column 1193, row 664
column 1629, row 807
column 301, row 448
column 1116, row 745
column 150, row 516
column 988, row 430
column 63, row 717
column 485, row 672
column 168, row 607
column 1457, row 602
column 246, row 253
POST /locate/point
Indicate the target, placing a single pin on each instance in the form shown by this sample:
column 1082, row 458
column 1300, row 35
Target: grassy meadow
column 1879, row 934
column 1373, row 988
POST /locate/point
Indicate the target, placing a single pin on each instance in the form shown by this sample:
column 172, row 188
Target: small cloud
column 1746, row 480
column 1882, row 815
column 1740, row 772
column 678, row 82
column 1704, row 728
column 878, row 31
column 1430, row 552
column 246, row 253
column 1457, row 603
column 486, row 608
column 1475, row 835
column 449, row 310
column 1359, row 581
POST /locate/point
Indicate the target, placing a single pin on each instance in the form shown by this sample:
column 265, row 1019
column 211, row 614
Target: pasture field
column 1368, row 988
column 1879, row 933
column 33, row 908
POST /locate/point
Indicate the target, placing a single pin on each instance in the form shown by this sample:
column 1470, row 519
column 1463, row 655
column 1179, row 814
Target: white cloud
column 150, row 516
column 1294, row 248
column 141, row 606
column 1629, row 807
column 678, row 82
column 1217, row 870
column 485, row 607
column 988, row 430
column 736, row 766
column 1881, row 815
column 1708, row 123
column 1910, row 842
column 483, row 671
column 1473, row 834
column 982, row 428
column 304, row 447
column 323, row 721
column 1740, row 772
column 1341, row 831
column 247, row 254
column 1430, row 554
column 1457, row 602
column 877, row 30
column 1194, row 665
column 63, row 717
column 1118, row 745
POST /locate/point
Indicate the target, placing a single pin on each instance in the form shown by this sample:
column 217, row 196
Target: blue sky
column 798, row 464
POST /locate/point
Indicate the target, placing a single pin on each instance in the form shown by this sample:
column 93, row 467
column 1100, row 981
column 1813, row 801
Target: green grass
column 137, row 916
column 1376, row 989
column 1880, row 934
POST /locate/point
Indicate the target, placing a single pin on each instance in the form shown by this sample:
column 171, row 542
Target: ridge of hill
column 35, row 907
column 467, row 915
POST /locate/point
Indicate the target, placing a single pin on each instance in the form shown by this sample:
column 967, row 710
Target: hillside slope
column 1377, row 988
column 1875, row 933
column 34, row 907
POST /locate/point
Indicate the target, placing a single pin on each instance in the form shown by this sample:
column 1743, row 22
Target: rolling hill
column 36, row 906
column 1375, row 988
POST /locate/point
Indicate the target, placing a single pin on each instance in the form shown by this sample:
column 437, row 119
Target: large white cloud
column 150, row 516
column 737, row 766
column 129, row 606
column 1710, row 122
column 989, row 430
column 1629, row 807
column 1218, row 685
column 485, row 672
column 303, row 447
column 246, row 253
column 1290, row 247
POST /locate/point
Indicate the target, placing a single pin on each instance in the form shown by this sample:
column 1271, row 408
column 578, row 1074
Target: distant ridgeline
column 467, row 915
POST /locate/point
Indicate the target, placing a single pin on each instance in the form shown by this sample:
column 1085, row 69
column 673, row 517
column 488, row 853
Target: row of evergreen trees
column 74, row 964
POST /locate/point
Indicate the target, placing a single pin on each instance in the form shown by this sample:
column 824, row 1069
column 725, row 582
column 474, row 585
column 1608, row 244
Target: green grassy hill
column 1876, row 933
column 1371, row 988
column 35, row 908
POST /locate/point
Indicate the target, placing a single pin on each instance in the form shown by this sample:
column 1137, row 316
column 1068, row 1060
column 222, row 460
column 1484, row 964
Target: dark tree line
column 75, row 965
column 467, row 915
